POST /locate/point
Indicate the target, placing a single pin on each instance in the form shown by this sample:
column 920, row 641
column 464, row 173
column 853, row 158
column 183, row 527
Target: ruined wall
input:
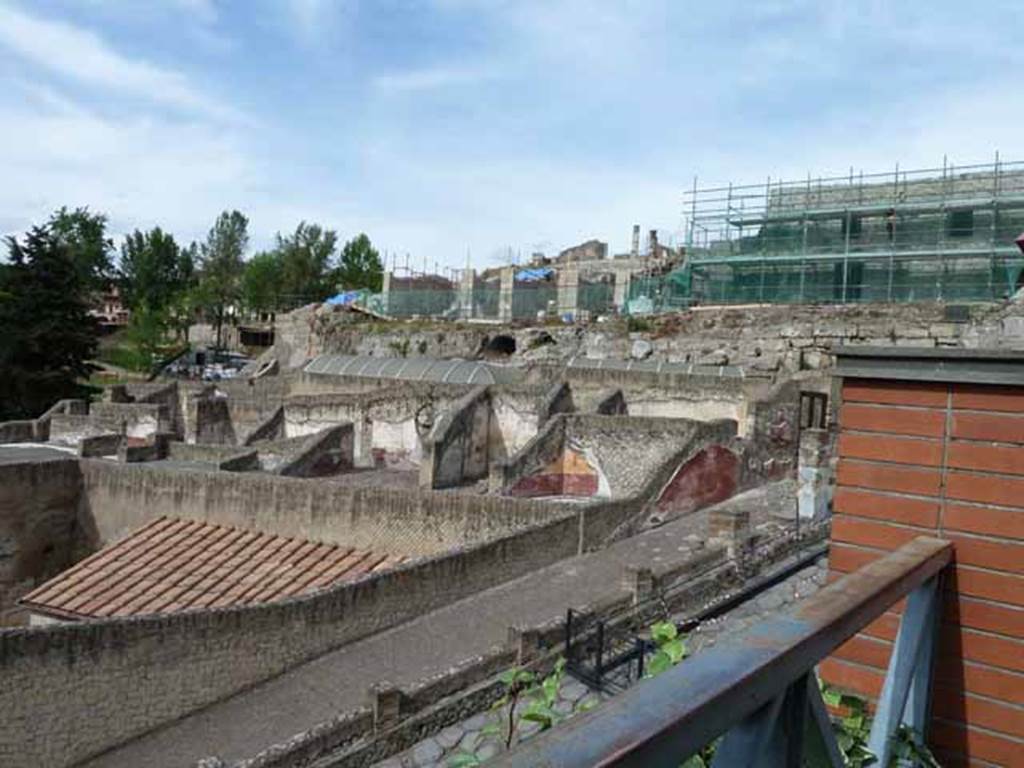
column 118, row 499
column 457, row 448
column 602, row 456
column 89, row 686
column 325, row 453
column 388, row 422
column 38, row 532
column 515, row 419
column 763, row 340
column 136, row 419
column 86, row 687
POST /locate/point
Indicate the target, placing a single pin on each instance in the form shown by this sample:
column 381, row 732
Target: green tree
column 359, row 266
column 85, row 236
column 221, row 266
column 154, row 270
column 48, row 333
column 305, row 262
column 261, row 282
column 145, row 335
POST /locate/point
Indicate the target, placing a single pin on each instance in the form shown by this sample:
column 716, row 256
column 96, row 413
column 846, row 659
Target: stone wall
column 762, row 339
column 88, row 686
column 457, row 448
column 118, row 499
column 325, row 453
column 388, row 422
column 38, row 528
column 226, row 457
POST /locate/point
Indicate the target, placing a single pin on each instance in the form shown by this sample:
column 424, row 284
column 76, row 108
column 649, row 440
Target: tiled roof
column 173, row 564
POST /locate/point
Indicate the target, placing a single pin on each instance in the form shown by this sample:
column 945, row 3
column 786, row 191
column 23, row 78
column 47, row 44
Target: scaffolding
column 932, row 234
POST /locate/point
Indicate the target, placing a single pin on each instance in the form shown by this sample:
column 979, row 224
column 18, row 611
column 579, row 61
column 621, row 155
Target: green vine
column 527, row 699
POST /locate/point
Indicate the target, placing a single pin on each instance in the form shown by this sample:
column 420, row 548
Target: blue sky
column 451, row 125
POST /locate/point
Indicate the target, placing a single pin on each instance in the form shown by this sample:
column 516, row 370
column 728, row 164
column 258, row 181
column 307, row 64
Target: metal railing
column 759, row 691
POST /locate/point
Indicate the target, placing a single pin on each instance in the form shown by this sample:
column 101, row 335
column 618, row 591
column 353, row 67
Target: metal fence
column 758, row 690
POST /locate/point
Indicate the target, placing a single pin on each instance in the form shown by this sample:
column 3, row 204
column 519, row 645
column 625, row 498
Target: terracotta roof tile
column 173, row 564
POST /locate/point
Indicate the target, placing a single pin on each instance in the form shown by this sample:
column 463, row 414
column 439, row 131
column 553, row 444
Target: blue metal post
column 909, row 668
column 778, row 734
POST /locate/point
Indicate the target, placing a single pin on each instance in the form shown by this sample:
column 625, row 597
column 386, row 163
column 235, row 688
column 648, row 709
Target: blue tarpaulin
column 533, row 275
column 345, row 298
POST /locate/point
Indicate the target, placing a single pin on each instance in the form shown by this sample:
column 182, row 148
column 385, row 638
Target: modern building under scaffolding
column 941, row 234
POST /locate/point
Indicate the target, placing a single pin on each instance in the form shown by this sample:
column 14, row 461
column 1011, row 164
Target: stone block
column 730, row 525
column 1013, row 327
column 719, row 357
column 386, row 705
column 525, row 642
column 943, row 330
column 641, row 349
column 639, row 581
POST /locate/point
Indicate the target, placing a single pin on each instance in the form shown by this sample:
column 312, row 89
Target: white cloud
column 83, row 56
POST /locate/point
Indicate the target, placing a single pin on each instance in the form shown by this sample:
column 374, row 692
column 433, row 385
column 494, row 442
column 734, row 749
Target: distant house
column 109, row 310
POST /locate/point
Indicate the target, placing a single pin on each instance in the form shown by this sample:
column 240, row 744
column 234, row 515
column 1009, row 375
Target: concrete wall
column 38, row 528
column 87, row 687
column 945, row 461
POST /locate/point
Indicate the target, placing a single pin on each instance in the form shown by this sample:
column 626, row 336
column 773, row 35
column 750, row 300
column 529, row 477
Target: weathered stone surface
column 641, row 349
column 427, row 752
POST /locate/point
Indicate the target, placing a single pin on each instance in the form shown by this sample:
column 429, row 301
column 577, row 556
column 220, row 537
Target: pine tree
column 48, row 334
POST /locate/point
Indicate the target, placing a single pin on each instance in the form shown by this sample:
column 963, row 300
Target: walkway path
column 337, row 682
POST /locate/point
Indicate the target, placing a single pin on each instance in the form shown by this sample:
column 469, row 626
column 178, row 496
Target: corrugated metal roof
column 654, row 366
column 173, row 564
column 414, row 369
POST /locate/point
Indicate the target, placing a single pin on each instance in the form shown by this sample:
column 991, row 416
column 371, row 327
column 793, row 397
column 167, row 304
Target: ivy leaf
column 659, row 663
column 675, row 650
column 540, row 713
column 663, row 631
column 831, row 697
column 523, row 676
column 550, row 688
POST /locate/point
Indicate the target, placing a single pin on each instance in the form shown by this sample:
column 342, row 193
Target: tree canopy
column 84, row 234
column 261, row 282
column 154, row 270
column 359, row 266
column 48, row 331
column 221, row 266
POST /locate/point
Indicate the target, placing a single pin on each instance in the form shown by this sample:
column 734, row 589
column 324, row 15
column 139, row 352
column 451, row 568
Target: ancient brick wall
column 943, row 460
column 38, row 503
column 87, row 687
column 118, row 499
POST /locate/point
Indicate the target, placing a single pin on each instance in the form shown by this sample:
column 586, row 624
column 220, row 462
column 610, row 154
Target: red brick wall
column 947, row 461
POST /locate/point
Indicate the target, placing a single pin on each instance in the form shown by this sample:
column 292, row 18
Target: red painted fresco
column 708, row 478
column 568, row 475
